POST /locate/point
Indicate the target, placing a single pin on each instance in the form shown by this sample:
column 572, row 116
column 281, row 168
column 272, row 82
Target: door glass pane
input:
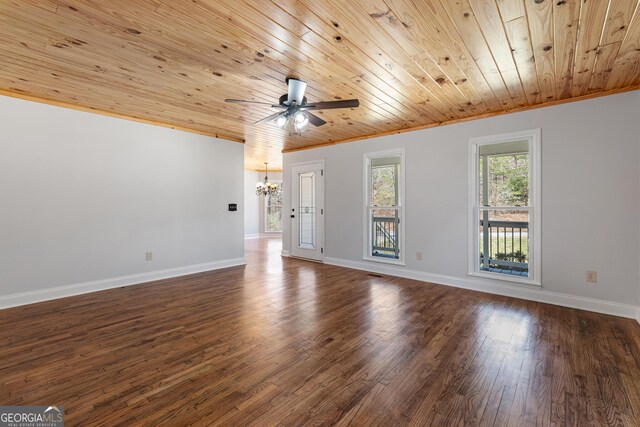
column 306, row 210
column 503, row 236
column 385, row 233
column 503, row 174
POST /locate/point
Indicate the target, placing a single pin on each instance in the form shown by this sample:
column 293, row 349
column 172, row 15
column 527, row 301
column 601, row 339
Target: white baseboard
column 284, row 253
column 251, row 236
column 527, row 292
column 31, row 297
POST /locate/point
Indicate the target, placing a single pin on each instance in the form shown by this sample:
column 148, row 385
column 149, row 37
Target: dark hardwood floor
column 289, row 342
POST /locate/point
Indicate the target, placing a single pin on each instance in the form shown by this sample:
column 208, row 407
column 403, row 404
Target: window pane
column 385, row 233
column 274, row 219
column 383, row 207
column 274, row 200
column 504, row 241
column 274, row 212
column 384, row 185
column 506, row 175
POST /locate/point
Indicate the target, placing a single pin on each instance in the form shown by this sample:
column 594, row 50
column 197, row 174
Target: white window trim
column 401, row 207
column 533, row 136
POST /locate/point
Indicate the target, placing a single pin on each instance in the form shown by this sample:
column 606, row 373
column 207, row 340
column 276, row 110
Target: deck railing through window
column 504, row 246
column 384, row 241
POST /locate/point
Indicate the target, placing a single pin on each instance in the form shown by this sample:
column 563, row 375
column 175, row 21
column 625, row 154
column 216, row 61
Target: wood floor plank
column 289, row 342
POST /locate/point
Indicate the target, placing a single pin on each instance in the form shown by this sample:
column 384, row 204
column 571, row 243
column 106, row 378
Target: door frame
column 319, row 218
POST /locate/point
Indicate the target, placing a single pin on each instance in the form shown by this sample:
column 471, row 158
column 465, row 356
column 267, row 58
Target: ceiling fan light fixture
column 281, row 121
column 296, row 111
column 300, row 117
column 300, row 120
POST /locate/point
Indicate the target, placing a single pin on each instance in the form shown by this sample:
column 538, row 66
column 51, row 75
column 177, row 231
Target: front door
column 307, row 211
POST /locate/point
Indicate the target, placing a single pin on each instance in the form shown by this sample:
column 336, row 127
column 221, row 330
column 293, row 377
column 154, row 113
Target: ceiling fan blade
column 315, row 120
column 269, row 118
column 295, row 90
column 345, row 103
column 242, row 101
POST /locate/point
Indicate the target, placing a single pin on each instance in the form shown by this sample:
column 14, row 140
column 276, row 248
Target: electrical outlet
column 592, row 277
column 419, row 256
column 149, row 256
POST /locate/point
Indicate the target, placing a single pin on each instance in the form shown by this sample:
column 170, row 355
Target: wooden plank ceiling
column 412, row 63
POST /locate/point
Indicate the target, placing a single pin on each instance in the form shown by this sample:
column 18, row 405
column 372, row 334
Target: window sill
column 506, row 278
column 384, row 260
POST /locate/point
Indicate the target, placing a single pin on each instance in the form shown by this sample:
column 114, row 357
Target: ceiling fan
column 295, row 108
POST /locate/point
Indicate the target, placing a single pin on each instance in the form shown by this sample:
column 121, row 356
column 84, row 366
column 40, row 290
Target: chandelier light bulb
column 281, row 121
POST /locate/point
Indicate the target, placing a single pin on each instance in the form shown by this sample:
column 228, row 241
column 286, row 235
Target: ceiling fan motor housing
column 284, row 100
column 296, row 89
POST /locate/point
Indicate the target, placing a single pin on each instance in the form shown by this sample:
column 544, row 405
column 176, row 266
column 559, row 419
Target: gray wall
column 590, row 195
column 251, row 204
column 84, row 196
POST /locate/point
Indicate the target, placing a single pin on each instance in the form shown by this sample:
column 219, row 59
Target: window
column 504, row 219
column 273, row 213
column 384, row 232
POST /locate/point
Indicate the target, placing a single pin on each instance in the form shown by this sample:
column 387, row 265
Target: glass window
column 273, row 211
column 504, row 210
column 383, row 207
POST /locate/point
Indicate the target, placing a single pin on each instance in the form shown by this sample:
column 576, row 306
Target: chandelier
column 267, row 188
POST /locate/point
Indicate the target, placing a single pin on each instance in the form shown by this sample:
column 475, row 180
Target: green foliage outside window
column 383, row 185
